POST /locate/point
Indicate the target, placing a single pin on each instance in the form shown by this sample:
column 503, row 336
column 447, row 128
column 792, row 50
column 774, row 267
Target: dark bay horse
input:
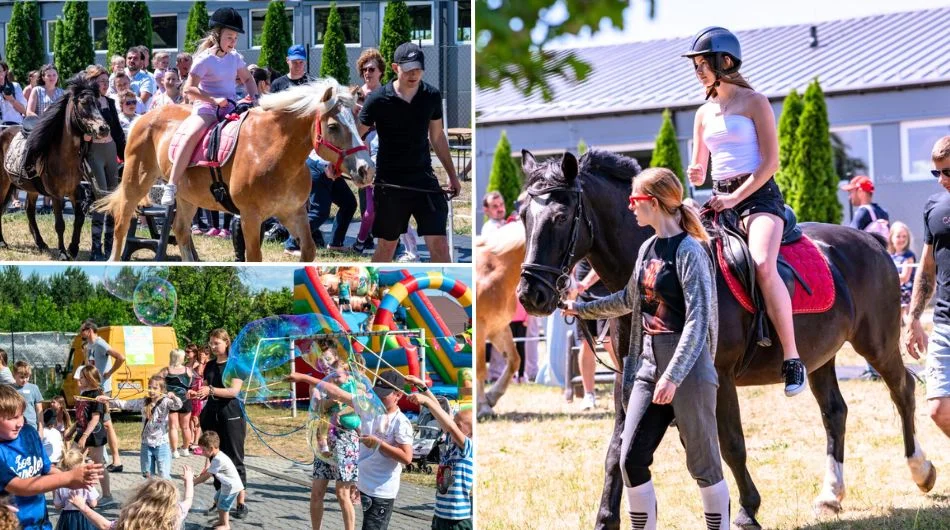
column 582, row 211
column 266, row 175
column 53, row 149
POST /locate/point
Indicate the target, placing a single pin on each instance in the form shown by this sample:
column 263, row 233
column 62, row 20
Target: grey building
column 886, row 83
column 442, row 27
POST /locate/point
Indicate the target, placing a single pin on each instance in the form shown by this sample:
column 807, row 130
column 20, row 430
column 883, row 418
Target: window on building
column 464, row 17
column 421, row 28
column 164, row 32
column 100, row 35
column 917, row 140
column 50, row 36
column 851, row 148
column 349, row 17
column 257, row 25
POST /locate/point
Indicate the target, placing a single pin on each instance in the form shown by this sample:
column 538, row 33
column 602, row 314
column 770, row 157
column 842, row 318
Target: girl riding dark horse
column 577, row 212
column 53, row 155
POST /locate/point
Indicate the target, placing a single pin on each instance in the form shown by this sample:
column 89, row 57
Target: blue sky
column 682, row 18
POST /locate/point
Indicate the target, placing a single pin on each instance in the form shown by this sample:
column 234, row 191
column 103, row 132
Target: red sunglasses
column 634, row 199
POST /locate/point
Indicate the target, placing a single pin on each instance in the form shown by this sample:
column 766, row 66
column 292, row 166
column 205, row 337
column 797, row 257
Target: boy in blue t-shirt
column 31, row 395
column 453, row 498
column 25, row 470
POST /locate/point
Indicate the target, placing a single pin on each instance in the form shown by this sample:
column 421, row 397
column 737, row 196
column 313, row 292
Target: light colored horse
column 266, row 175
column 498, row 261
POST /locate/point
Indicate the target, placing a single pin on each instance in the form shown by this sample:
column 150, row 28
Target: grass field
column 540, row 463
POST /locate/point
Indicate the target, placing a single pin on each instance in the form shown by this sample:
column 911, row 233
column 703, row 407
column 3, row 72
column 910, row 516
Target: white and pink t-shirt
column 217, row 76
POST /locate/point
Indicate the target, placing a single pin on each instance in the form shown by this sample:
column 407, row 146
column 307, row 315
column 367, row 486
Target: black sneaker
column 794, row 372
column 114, row 468
column 240, row 512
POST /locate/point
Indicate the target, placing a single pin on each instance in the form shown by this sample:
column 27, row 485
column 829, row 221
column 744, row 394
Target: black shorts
column 595, row 327
column 185, row 407
column 394, row 207
column 767, row 199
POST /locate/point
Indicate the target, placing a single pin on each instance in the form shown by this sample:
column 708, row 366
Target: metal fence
column 45, row 351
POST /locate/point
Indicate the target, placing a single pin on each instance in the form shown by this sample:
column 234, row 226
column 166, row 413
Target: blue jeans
column 156, row 461
column 323, row 193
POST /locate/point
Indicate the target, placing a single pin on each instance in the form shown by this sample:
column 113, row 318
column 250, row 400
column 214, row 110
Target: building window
column 851, row 148
column 463, row 17
column 100, row 35
column 257, row 25
column 917, row 140
column 350, row 18
column 165, row 32
column 50, row 36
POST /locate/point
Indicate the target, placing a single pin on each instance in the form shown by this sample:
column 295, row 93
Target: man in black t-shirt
column 935, row 273
column 297, row 61
column 407, row 114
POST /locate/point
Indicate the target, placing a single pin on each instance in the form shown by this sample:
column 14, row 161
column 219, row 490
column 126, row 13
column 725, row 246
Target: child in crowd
column 898, row 245
column 62, row 422
column 198, row 367
column 52, row 438
column 70, row 518
column 6, row 376
column 25, row 470
column 154, row 506
column 31, row 394
column 156, row 456
column 453, row 499
column 88, row 432
column 222, row 468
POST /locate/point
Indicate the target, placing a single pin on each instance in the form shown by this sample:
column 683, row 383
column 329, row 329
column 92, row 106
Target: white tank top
column 733, row 144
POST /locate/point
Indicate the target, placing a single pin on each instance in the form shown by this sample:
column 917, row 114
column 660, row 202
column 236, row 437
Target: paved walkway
column 278, row 497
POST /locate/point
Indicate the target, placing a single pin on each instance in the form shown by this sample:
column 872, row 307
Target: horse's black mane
column 48, row 131
column 595, row 162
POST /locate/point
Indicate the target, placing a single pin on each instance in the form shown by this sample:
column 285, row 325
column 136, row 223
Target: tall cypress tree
column 73, row 47
column 56, row 47
column 787, row 125
column 142, row 27
column 334, row 62
column 276, row 38
column 24, row 33
column 121, row 27
column 667, row 152
column 197, row 26
column 815, row 186
column 505, row 176
column 397, row 29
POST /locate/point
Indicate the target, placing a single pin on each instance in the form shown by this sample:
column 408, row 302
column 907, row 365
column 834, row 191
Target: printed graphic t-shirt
column 24, row 457
column 661, row 295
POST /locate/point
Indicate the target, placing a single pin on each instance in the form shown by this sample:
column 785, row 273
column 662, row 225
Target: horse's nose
column 534, row 300
column 103, row 129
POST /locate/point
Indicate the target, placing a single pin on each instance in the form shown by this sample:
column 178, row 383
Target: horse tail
column 111, row 203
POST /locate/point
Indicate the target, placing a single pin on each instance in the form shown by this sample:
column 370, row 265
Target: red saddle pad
column 808, row 261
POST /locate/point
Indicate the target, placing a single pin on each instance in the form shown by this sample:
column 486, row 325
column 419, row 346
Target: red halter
column 341, row 154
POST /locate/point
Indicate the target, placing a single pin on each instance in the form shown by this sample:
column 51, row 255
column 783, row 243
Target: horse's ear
column 327, row 95
column 528, row 163
column 569, row 167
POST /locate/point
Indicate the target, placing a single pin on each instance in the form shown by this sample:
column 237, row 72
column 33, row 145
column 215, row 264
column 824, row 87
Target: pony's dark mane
column 49, row 130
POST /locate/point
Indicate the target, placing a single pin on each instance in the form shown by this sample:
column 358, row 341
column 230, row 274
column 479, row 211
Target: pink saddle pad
column 229, row 137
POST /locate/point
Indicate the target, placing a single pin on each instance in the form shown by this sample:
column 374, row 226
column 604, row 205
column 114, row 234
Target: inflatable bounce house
column 367, row 299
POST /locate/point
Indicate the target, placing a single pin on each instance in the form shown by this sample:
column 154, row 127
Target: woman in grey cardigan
column 672, row 298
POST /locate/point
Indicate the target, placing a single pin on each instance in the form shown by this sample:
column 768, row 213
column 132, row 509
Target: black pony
column 55, row 149
column 582, row 212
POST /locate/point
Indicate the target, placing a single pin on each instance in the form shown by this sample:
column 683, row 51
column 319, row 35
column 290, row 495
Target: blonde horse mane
column 305, row 100
column 504, row 240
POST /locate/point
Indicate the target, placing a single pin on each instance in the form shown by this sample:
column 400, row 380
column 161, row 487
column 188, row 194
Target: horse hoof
column 491, row 398
column 43, row 247
column 63, row 256
column 484, row 412
column 930, row 481
column 3, row 244
column 830, row 506
column 744, row 521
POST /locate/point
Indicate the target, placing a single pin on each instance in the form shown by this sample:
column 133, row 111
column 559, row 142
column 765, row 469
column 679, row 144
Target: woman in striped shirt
column 42, row 97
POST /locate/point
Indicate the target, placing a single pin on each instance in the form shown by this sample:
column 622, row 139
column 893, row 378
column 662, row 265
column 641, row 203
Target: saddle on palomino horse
column 215, row 150
column 803, row 268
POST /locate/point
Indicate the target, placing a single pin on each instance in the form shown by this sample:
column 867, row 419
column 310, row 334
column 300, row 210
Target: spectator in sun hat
column 861, row 191
column 297, row 61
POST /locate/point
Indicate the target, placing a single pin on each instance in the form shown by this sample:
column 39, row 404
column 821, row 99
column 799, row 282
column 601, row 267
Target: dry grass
column 540, row 463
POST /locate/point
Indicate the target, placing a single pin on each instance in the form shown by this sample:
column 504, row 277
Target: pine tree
column 57, row 45
column 142, row 27
column 276, row 38
column 24, row 33
column 73, row 47
column 397, row 29
column 667, row 152
column 121, row 27
column 812, row 171
column 197, row 26
column 334, row 62
column 581, row 147
column 505, row 176
column 787, row 125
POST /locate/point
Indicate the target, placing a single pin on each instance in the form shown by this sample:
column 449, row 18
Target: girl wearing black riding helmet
column 737, row 128
column 210, row 85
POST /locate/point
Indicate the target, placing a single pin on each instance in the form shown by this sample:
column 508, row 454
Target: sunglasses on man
column 937, row 172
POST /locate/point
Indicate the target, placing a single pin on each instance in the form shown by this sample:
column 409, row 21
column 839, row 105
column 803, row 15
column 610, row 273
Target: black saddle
column 219, row 189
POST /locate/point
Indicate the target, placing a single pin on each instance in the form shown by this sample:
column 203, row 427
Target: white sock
column 716, row 505
column 641, row 504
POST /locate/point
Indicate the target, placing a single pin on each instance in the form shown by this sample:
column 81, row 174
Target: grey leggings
column 105, row 169
column 693, row 407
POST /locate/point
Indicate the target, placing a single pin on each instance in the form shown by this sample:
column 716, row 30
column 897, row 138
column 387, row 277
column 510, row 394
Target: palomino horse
column 53, row 150
column 266, row 175
column 577, row 212
column 497, row 265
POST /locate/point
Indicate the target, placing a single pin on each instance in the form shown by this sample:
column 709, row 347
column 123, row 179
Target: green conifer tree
column 505, row 176
column 73, row 46
column 120, row 25
column 815, row 183
column 787, row 125
column 397, row 29
column 197, row 26
column 667, row 152
column 276, row 38
column 24, row 33
column 334, row 62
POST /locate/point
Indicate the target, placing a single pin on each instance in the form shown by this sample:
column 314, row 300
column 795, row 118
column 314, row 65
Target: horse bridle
column 341, row 154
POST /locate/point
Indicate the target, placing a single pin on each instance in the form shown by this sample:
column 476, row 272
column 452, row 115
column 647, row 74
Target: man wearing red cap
column 860, row 191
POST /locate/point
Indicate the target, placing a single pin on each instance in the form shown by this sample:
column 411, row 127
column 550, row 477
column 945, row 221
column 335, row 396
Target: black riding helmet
column 716, row 42
column 227, row 17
